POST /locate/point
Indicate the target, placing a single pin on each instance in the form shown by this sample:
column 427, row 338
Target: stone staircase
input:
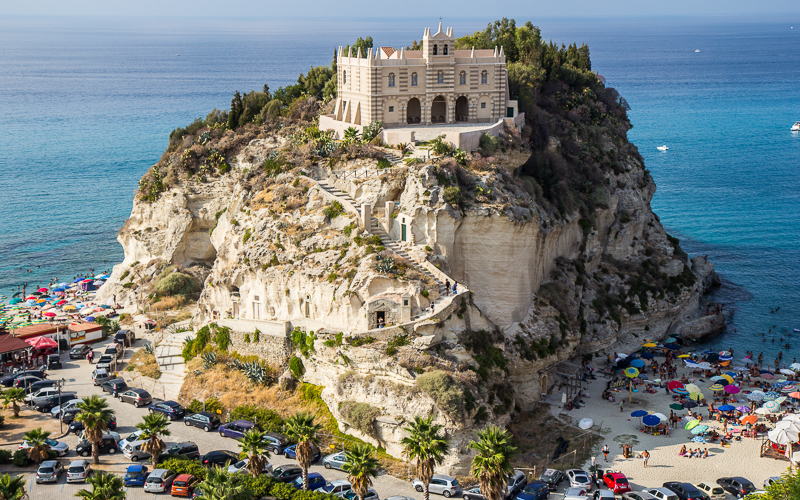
column 337, row 193
column 168, row 355
column 393, row 157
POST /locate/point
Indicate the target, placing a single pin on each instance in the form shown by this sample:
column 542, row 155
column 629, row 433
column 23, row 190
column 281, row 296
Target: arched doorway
column 413, row 111
column 544, row 384
column 439, row 110
column 462, row 109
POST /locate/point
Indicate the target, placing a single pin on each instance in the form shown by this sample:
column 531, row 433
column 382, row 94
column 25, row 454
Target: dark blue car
column 169, row 409
column 291, row 452
column 535, row 490
column 135, row 475
column 315, row 482
column 235, row 429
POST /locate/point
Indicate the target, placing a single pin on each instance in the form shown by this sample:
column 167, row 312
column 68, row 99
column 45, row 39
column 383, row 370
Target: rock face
column 541, row 286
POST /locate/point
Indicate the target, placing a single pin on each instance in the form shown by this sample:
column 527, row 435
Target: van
column 125, row 337
column 99, row 376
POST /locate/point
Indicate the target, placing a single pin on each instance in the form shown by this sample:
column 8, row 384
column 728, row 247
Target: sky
column 406, row 8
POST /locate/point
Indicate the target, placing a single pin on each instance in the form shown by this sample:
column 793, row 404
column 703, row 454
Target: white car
column 241, row 466
column 711, row 489
column 129, row 439
column 604, row 495
column 72, row 403
column 768, row 481
column 575, row 494
column 578, row 478
column 638, row 495
column 663, row 494
column 338, row 487
column 57, row 446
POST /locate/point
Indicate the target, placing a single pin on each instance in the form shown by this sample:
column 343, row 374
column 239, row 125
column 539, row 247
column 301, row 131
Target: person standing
column 455, row 287
column 645, row 457
column 447, row 287
column 605, row 451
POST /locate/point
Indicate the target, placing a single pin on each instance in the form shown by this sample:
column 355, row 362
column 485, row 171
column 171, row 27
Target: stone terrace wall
column 274, row 345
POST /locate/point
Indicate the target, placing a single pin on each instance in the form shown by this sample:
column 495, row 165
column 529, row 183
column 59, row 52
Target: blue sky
column 407, row 8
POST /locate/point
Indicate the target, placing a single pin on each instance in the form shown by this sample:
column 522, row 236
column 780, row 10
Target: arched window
column 462, row 78
column 440, row 77
column 484, row 77
column 435, row 49
column 413, row 79
column 445, row 49
column 391, row 79
column 344, row 77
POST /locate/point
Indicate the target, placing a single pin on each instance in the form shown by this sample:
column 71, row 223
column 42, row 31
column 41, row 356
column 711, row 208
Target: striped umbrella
column 699, row 439
column 755, row 396
column 697, row 396
column 693, row 388
column 787, row 389
column 717, row 387
column 681, row 391
column 772, row 406
column 700, row 429
column 717, row 378
column 631, row 372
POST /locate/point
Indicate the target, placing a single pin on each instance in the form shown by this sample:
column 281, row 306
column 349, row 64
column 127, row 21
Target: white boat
column 698, row 50
column 662, row 148
column 796, row 127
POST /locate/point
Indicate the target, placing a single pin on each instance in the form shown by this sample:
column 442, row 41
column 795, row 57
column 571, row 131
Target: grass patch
column 145, row 363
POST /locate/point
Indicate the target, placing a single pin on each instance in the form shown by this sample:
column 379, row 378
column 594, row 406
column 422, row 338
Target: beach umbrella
column 747, row 361
column 717, row 378
column 795, row 366
column 647, row 355
column 681, row 391
column 661, row 416
column 713, row 357
column 43, row 289
column 68, row 307
column 691, row 425
column 780, row 400
column 676, row 406
column 727, row 377
column 684, row 356
column 732, row 389
column 693, row 388
column 649, row 344
column 787, row 388
column 790, row 425
column 699, row 439
column 651, row 420
column 49, row 314
column 726, row 408
column 725, row 358
column 743, row 409
column 771, row 396
column 674, row 385
column 755, row 396
column 670, row 340
column 749, row 419
column 631, row 372
column 700, row 429
column 585, row 423
column 772, row 406
column 637, row 363
column 697, row 396
column 639, row 413
column 767, row 376
column 782, row 436
column 717, row 387
column 61, row 302
column 761, row 411
column 99, row 309
column 15, row 300
column 794, row 395
column 786, row 371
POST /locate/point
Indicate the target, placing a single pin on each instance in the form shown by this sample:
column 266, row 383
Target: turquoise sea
column 86, row 105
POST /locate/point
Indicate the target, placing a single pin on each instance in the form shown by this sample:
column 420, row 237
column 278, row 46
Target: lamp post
column 60, row 417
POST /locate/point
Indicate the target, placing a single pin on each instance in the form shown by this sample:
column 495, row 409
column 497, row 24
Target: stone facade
column 273, row 346
column 388, row 308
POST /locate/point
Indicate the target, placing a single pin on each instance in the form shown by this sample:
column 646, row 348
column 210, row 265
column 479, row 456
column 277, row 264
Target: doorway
column 438, row 110
column 462, row 109
column 403, row 231
column 380, row 318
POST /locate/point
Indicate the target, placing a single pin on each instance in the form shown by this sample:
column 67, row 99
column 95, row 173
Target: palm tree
column 13, row 397
column 300, row 427
column 492, row 466
column 95, row 415
column 255, row 450
column 154, row 426
column 220, row 484
column 12, row 487
column 360, row 465
column 424, row 444
column 38, row 450
column 351, row 135
column 105, row 486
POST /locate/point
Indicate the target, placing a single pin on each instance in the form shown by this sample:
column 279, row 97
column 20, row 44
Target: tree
column 236, row 111
column 492, row 466
column 105, row 486
column 300, row 427
column 220, row 484
column 154, row 426
column 360, row 465
column 95, row 415
column 13, row 397
column 426, row 446
column 351, row 135
column 12, row 487
column 38, row 450
column 787, row 488
column 255, row 450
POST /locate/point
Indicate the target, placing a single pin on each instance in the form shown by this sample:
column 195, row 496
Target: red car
column 617, row 482
column 184, row 485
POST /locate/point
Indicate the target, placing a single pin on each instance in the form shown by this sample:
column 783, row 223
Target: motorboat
column 697, row 50
column 662, row 148
column 796, row 127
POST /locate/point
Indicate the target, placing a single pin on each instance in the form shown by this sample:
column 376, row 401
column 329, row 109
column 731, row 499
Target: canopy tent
column 42, row 343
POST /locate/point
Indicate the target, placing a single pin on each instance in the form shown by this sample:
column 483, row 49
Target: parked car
column 371, row 495
column 115, row 350
column 135, row 451
column 41, row 395
column 54, row 362
column 663, row 494
column 78, row 427
column 79, row 351
column 241, row 467
column 107, row 362
column 398, row 497
column 219, row 457
column 49, row 471
column 638, row 495
column 768, row 481
column 603, row 495
column 169, row 409
column 712, row 490
column 575, row 494
column 125, row 337
column 334, row 460
column 235, row 429
column 57, row 446
column 137, row 397
column 535, row 490
column 78, row 471
column 617, row 482
column 107, row 445
column 552, row 477
column 737, row 486
column 203, row 420
column 187, row 450
column 159, row 481
column 9, row 381
column 276, row 442
column 115, row 435
column 287, row 473
column 114, row 386
column 578, row 478
column 135, row 475
column 100, row 376
column 41, row 384
column 685, row 491
column 68, row 415
column 134, row 436
column 338, row 487
column 25, row 382
column 516, row 481
column 471, row 494
column 291, row 452
column 53, row 401
column 184, row 485
column 315, row 482
column 440, row 484
column 56, row 411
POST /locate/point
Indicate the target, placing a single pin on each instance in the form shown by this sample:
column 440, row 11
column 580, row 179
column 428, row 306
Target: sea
column 87, row 103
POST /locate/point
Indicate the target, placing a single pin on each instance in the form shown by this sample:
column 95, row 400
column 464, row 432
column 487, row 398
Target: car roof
column 170, row 403
column 740, row 479
column 314, row 474
column 184, row 477
column 48, row 463
column 337, row 482
column 77, row 463
column 135, row 467
column 159, row 472
column 138, row 391
column 244, row 423
column 616, row 475
column 443, row 476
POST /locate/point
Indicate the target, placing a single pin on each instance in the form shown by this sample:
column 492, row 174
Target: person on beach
column 683, row 451
column 605, row 451
column 645, row 457
column 621, row 404
column 705, row 452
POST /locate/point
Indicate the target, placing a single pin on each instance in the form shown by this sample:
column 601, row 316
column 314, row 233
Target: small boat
column 662, row 148
column 697, row 50
column 797, row 330
column 796, row 127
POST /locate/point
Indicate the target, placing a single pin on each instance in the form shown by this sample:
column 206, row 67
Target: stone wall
column 273, row 346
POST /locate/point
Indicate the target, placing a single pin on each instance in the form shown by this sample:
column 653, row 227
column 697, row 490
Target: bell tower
column 440, row 44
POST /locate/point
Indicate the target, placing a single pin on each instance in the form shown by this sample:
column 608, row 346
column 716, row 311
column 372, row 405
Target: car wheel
column 276, row 451
column 111, row 451
column 286, row 455
column 134, row 458
column 84, row 453
column 328, row 466
column 221, row 434
column 207, row 428
column 446, row 494
column 418, row 488
column 135, row 404
column 186, row 422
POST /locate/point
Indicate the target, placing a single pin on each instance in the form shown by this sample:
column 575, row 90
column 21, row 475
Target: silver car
column 41, row 396
column 49, row 471
column 440, row 484
column 56, row 446
column 338, row 487
column 575, row 494
column 78, row 471
column 241, row 466
column 72, row 403
column 578, row 478
column 159, row 481
column 334, row 461
column 640, row 495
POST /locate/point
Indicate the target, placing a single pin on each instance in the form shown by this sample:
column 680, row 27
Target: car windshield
column 50, row 442
column 152, row 479
column 76, row 470
column 132, row 437
column 46, row 470
column 298, row 481
column 179, row 484
column 240, row 464
column 134, row 474
column 328, row 487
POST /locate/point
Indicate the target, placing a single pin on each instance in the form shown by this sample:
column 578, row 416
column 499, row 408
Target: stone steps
column 339, row 194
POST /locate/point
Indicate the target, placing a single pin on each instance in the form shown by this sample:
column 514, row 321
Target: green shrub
column 282, row 491
column 212, row 405
column 2, row 420
column 183, row 466
column 20, row 458
column 247, row 234
column 449, row 397
column 246, row 338
column 333, row 210
column 5, row 457
column 359, row 341
column 256, row 335
column 453, row 196
column 260, row 486
column 302, row 341
column 224, row 168
column 332, row 277
column 223, row 338
column 425, row 293
column 296, row 367
column 177, row 283
column 360, row 416
column 384, row 163
column 275, row 166
column 488, row 144
column 395, row 342
column 125, row 274
column 265, row 419
column 334, row 342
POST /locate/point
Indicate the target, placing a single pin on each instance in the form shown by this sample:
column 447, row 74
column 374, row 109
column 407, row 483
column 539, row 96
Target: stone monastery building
column 433, row 86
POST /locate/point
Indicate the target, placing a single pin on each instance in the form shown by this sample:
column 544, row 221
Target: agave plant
column 385, row 265
column 209, row 359
column 149, row 348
